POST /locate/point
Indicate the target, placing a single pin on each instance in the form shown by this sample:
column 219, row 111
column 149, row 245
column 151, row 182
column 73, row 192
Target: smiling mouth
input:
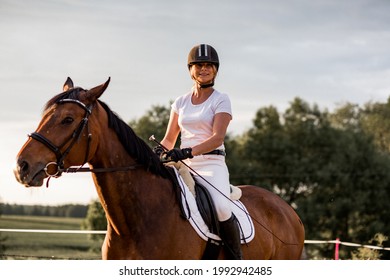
column 205, row 77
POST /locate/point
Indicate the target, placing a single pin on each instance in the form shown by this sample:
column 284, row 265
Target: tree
column 374, row 121
column 95, row 220
column 352, row 175
column 249, row 160
column 154, row 122
column 368, row 253
column 279, row 151
column 2, row 238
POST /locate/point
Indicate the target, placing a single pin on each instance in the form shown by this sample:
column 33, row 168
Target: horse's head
column 62, row 138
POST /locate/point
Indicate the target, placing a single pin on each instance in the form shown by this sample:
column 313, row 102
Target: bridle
column 68, row 145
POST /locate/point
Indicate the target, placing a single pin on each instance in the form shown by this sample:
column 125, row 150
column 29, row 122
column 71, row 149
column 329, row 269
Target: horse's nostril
column 23, row 166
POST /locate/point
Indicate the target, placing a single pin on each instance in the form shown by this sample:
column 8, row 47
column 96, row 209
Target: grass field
column 46, row 245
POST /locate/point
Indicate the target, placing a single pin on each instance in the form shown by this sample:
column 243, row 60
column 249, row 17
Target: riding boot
column 230, row 235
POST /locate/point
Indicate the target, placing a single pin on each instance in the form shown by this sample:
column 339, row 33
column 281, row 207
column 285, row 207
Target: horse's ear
column 94, row 93
column 68, row 84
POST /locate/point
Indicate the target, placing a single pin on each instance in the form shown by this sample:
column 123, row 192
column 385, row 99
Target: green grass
column 46, row 245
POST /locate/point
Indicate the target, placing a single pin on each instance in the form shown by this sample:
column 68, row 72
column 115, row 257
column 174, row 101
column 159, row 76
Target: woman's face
column 203, row 73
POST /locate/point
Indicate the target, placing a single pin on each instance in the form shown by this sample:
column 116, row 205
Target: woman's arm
column 172, row 131
column 220, row 125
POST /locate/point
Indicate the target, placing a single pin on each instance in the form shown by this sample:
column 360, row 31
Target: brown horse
column 134, row 188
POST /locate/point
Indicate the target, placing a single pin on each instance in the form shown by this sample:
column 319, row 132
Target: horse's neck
column 131, row 199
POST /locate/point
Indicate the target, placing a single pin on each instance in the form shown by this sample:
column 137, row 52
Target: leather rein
column 71, row 141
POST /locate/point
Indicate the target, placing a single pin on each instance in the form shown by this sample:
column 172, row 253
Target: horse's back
column 279, row 231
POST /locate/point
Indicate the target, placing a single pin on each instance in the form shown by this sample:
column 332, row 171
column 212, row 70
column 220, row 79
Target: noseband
column 74, row 137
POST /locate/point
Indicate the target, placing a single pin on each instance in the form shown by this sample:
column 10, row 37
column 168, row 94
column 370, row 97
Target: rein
column 100, row 170
column 76, row 135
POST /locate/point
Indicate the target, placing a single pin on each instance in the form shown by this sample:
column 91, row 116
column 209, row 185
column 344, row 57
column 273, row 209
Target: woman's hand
column 177, row 154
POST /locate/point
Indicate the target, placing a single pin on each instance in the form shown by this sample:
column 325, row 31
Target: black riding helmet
column 203, row 53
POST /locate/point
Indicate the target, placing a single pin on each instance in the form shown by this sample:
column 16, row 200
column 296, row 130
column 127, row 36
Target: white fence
column 54, row 231
column 337, row 242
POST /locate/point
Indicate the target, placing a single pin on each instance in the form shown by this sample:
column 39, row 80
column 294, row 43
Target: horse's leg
column 177, row 240
column 117, row 247
column 105, row 249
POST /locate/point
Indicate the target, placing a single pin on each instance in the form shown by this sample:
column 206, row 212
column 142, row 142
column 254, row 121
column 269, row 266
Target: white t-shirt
column 196, row 121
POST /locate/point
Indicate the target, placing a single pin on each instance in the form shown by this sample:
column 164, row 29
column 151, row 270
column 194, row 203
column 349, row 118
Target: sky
column 327, row 52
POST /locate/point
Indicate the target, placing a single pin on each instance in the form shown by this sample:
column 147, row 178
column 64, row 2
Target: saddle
column 207, row 211
column 189, row 192
column 202, row 197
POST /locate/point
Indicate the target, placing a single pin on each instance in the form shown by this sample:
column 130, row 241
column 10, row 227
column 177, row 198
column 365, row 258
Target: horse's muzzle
column 28, row 175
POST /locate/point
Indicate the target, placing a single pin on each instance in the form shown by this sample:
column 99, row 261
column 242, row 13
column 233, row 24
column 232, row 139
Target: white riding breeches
column 213, row 169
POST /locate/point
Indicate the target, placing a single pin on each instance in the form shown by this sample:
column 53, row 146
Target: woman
column 202, row 117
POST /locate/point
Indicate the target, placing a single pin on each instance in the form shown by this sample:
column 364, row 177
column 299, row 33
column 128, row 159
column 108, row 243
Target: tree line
column 66, row 210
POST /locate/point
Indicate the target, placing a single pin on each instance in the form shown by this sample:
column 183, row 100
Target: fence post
column 336, row 251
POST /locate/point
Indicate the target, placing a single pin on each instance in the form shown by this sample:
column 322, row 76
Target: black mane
column 135, row 146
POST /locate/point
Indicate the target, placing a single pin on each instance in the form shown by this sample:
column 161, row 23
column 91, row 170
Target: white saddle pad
column 193, row 215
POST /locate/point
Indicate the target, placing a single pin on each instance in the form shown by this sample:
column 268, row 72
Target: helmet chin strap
column 206, row 85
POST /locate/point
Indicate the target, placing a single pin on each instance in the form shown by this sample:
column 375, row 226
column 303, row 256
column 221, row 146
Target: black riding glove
column 179, row 154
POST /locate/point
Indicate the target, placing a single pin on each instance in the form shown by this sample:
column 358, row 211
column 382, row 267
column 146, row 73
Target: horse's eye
column 67, row 120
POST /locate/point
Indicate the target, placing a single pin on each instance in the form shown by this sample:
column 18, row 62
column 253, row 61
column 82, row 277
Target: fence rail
column 54, row 231
column 337, row 241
